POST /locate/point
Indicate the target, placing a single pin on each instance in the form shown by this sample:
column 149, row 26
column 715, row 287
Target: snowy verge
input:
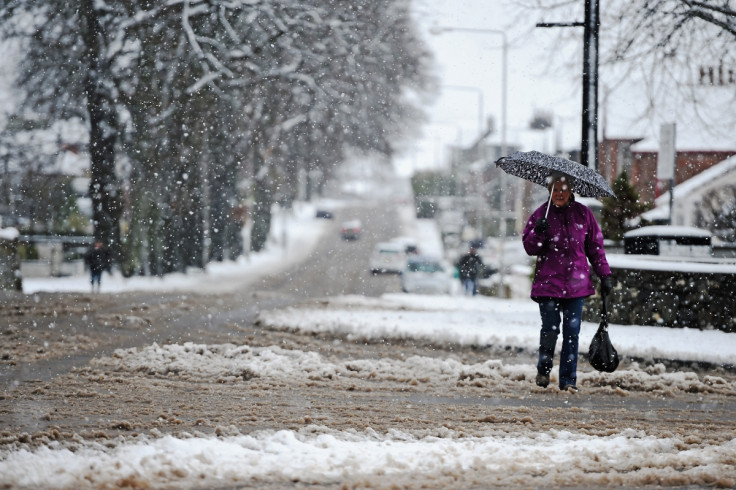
column 294, row 235
column 484, row 321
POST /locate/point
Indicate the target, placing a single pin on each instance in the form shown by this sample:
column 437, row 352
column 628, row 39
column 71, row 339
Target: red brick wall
column 644, row 175
column 691, row 163
column 643, row 171
column 687, row 165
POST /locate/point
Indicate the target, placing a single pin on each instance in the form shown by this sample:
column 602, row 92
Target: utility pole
column 591, row 27
column 590, row 85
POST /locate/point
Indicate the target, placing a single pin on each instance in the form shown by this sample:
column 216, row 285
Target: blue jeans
column 470, row 287
column 571, row 311
column 96, row 277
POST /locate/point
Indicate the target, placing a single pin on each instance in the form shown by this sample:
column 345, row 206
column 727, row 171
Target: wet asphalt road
column 335, row 267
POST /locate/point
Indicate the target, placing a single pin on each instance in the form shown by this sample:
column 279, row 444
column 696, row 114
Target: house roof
column 687, row 141
column 720, row 173
column 708, row 176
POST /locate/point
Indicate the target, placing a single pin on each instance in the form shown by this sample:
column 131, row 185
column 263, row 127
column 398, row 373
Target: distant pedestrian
column 98, row 260
column 469, row 267
column 564, row 242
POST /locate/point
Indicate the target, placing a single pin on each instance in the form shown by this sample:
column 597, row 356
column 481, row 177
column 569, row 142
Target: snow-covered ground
column 322, row 455
column 325, row 457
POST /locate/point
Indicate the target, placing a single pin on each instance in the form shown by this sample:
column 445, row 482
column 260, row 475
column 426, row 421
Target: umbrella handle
column 548, row 203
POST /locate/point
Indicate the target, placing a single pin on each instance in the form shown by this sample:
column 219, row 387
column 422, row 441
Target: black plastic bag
column 601, row 354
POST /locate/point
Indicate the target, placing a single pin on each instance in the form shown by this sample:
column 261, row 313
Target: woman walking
column 563, row 236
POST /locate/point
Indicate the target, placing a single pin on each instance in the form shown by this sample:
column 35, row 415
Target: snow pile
column 235, row 363
column 316, row 455
column 483, row 321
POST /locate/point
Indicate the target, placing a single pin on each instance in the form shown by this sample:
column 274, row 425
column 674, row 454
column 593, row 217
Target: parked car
column 323, row 214
column 388, row 257
column 426, row 275
column 350, row 230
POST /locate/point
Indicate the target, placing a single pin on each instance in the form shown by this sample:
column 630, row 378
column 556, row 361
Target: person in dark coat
column 564, row 241
column 469, row 266
column 98, row 260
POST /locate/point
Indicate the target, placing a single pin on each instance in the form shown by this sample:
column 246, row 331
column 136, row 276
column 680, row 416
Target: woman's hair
column 554, row 177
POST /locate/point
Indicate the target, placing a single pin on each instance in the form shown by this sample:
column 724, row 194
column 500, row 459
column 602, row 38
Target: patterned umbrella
column 540, row 168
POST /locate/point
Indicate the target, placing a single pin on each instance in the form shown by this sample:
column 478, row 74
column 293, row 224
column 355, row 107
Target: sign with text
column 666, row 157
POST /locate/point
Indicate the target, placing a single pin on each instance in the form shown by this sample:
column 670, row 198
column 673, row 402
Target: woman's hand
column 606, row 285
column 541, row 226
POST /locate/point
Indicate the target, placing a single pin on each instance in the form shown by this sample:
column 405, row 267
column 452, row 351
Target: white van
column 388, row 257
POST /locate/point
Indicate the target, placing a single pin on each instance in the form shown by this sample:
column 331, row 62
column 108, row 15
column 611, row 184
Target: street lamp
column 504, row 75
column 504, row 96
column 437, row 30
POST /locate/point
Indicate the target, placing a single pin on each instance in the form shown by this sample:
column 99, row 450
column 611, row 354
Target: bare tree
column 197, row 94
column 677, row 51
column 79, row 64
column 717, row 212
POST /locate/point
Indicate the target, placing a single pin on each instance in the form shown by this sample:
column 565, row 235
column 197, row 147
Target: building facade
column 618, row 155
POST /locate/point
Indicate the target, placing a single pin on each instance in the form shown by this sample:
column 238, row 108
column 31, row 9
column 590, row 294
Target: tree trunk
column 262, row 192
column 103, row 186
column 261, row 215
column 10, row 276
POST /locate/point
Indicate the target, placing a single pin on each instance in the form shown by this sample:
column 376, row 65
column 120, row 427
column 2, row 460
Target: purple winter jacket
column 563, row 251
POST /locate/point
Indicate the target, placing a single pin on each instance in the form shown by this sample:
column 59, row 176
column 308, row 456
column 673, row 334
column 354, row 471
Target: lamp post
column 504, row 98
column 437, row 30
column 463, row 171
column 504, row 75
